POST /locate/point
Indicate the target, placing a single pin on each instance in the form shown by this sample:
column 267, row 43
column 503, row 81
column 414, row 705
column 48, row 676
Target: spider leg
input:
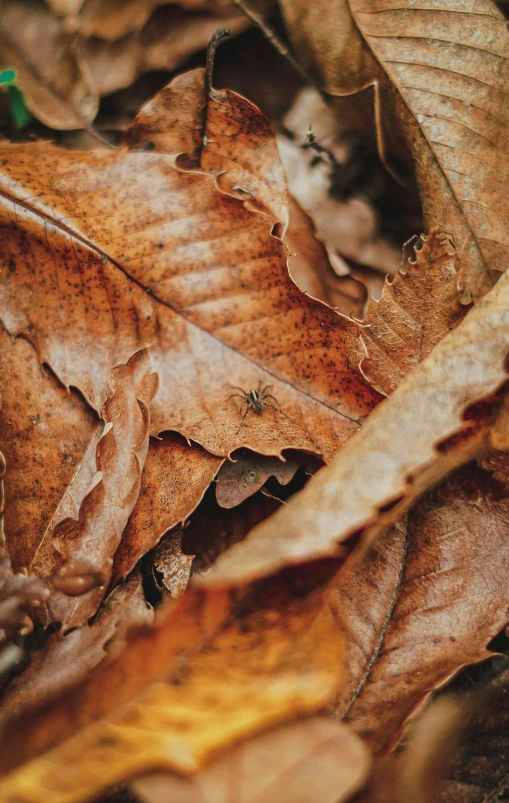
column 236, row 387
column 270, row 396
column 248, row 408
column 234, row 395
column 268, row 404
column 266, row 388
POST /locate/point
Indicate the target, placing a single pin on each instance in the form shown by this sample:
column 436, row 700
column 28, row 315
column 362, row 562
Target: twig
column 211, row 54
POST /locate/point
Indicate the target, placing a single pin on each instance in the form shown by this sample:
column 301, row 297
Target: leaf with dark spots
column 105, row 509
column 215, row 306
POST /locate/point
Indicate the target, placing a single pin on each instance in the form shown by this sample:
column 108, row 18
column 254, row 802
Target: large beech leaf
column 433, row 75
column 107, row 252
column 375, row 478
column 425, row 602
column 120, row 455
column 258, row 657
column 316, row 759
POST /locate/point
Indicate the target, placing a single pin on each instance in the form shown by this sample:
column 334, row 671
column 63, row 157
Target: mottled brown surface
column 425, row 602
column 174, row 480
column 405, row 446
column 432, row 81
column 45, row 435
column 120, row 455
column 92, row 273
column 246, row 473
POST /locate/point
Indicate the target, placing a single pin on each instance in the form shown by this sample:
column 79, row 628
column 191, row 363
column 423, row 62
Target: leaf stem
column 211, row 54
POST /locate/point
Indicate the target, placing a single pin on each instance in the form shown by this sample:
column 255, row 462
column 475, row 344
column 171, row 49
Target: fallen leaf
column 175, row 478
column 267, row 656
column 173, row 564
column 424, row 603
column 170, row 36
column 105, row 509
column 92, row 18
column 242, row 476
column 311, row 270
column 52, row 75
column 46, row 432
column 414, row 313
column 479, row 771
column 431, row 83
column 152, row 279
column 374, row 479
column 68, row 659
column 316, row 759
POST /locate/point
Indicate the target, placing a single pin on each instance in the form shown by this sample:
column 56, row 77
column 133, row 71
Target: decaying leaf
column 55, row 81
column 46, row 432
column 425, row 602
column 431, row 80
column 174, row 480
column 316, row 759
column 105, row 509
column 173, row 564
column 375, row 477
column 246, row 473
column 479, row 771
column 192, row 273
column 268, row 654
column 68, row 659
column 414, row 313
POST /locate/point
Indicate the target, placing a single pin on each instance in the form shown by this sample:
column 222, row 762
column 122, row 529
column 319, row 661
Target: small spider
column 255, row 400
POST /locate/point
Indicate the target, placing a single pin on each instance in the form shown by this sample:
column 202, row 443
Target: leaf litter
column 282, row 592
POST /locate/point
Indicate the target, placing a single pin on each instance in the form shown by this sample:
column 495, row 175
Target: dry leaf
column 105, row 509
column 424, row 603
column 431, row 82
column 316, row 759
column 268, row 655
column 54, row 79
column 242, row 476
column 311, row 270
column 479, row 770
column 174, row 480
column 46, row 432
column 152, row 279
column 68, row 659
column 414, row 313
column 173, row 564
column 374, row 479
column 168, row 38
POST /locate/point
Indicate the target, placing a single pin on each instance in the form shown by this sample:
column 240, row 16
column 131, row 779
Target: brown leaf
column 105, row 509
column 53, row 77
column 432, row 83
column 174, row 480
column 268, row 656
column 414, row 313
column 46, row 432
column 311, row 270
column 316, row 759
column 425, row 602
column 152, row 279
column 68, row 659
column 169, row 37
column 479, row 771
column 246, row 473
column 173, row 564
column 374, row 479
